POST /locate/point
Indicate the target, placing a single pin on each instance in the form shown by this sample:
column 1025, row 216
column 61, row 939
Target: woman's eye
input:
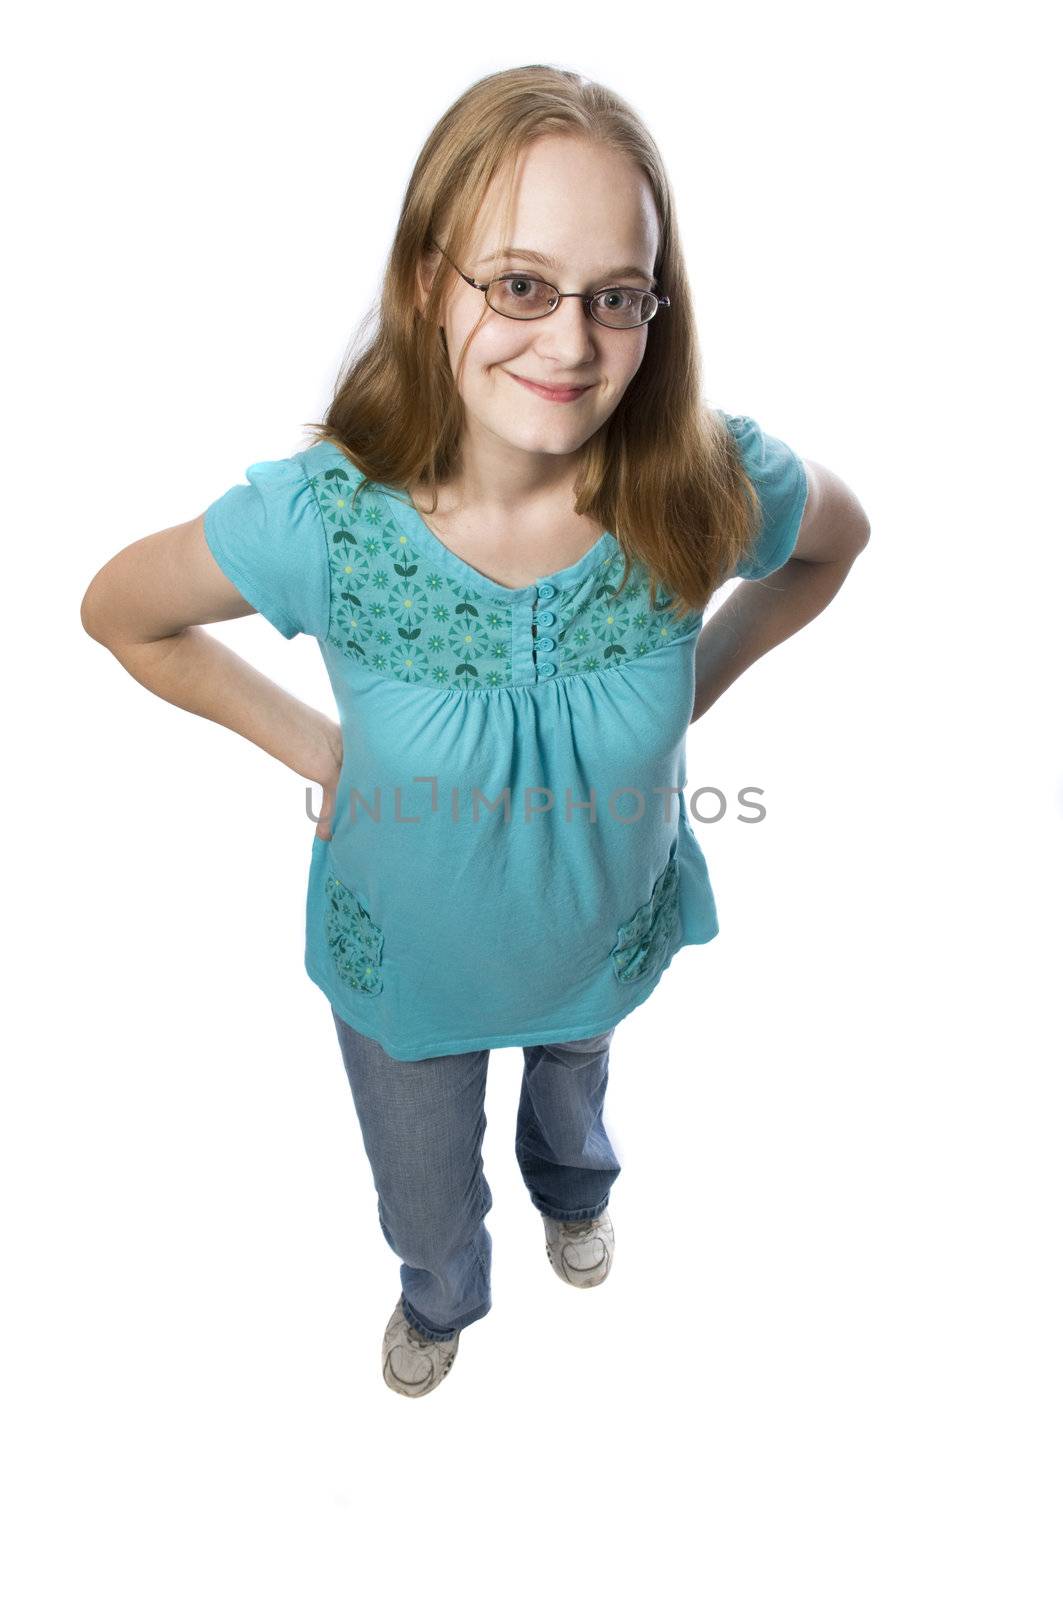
column 522, row 288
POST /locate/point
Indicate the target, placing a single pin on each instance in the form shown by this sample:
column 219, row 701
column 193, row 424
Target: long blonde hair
column 663, row 473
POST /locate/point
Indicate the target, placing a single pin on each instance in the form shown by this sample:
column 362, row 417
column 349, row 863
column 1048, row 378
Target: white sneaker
column 413, row 1365
column 581, row 1253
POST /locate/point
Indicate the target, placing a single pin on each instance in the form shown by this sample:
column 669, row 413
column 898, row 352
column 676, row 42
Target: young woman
column 504, row 538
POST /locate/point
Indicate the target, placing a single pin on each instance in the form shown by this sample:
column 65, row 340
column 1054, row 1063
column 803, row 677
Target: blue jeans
column 423, row 1125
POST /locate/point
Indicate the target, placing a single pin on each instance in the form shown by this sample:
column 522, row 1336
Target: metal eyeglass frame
column 573, row 294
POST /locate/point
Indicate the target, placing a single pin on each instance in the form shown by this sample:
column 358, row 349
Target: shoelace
column 573, row 1230
column 415, row 1338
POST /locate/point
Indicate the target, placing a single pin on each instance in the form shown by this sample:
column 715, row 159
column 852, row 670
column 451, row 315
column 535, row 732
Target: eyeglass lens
column 516, row 296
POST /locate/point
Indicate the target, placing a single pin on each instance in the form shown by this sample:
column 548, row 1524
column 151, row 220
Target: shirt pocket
column 644, row 941
column 355, row 943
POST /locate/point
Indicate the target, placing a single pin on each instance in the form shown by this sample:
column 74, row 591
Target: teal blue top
column 511, row 860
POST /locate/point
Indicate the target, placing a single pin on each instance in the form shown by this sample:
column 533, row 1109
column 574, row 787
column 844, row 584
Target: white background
column 827, row 1359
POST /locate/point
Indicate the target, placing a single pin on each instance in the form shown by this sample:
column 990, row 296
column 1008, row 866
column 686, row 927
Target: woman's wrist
column 325, row 752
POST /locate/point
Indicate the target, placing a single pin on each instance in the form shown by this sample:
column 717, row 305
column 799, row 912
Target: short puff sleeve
column 268, row 538
column 779, row 478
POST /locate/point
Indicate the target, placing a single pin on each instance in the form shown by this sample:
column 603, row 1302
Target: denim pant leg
column 563, row 1149
column 423, row 1125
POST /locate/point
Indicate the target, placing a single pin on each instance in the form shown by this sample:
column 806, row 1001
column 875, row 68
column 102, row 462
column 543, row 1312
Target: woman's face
column 590, row 210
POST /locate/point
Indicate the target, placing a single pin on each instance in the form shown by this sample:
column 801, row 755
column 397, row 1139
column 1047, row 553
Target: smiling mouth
column 559, row 388
column 552, row 388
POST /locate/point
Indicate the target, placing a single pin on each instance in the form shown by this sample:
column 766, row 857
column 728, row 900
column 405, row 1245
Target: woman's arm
column 145, row 605
column 760, row 615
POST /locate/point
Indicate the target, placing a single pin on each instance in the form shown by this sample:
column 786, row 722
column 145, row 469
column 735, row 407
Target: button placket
column 544, row 643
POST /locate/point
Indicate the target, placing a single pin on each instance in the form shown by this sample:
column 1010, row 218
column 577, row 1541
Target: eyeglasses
column 521, row 296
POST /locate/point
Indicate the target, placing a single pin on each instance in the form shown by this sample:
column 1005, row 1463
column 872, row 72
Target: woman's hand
column 329, row 775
